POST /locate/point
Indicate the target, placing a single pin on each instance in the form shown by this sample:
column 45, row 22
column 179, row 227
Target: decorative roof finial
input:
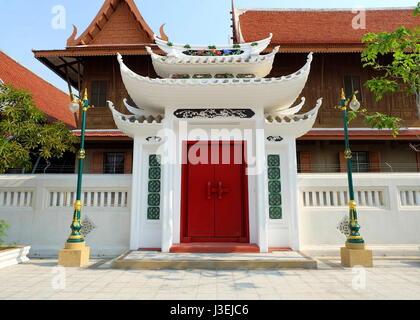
column 163, row 35
column 71, row 41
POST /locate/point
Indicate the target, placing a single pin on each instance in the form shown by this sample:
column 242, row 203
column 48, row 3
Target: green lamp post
column 75, row 253
column 354, row 252
column 354, row 104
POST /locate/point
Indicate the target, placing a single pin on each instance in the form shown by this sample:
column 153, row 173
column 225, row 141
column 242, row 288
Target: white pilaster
column 261, row 173
column 292, row 194
column 167, row 213
column 136, row 196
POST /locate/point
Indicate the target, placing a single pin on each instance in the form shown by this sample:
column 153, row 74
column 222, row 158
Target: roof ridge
column 29, row 70
column 327, row 9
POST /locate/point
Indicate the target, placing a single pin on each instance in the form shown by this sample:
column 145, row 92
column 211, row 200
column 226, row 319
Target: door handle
column 222, row 190
column 210, row 190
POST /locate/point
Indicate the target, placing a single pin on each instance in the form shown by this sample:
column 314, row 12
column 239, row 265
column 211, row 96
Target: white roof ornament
column 288, row 112
column 139, row 112
column 259, row 65
column 268, row 93
column 295, row 126
column 180, row 50
column 133, row 126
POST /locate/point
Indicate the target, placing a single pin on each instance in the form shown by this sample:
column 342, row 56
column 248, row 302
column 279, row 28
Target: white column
column 136, row 196
column 262, row 196
column 168, row 190
column 292, row 195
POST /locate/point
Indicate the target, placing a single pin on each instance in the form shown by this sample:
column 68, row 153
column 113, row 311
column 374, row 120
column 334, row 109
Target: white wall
column 388, row 206
column 39, row 210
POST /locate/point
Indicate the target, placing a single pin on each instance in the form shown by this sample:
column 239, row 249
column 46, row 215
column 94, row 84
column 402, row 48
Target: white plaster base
column 11, row 257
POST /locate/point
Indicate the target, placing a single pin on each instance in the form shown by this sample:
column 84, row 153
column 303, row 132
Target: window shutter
column 128, row 162
column 97, row 162
column 98, row 93
column 351, row 85
column 375, row 161
column 305, row 162
column 342, row 162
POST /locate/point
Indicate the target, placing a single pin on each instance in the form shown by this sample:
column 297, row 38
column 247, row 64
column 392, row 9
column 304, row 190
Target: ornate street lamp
column 354, row 236
column 75, row 253
column 354, row 253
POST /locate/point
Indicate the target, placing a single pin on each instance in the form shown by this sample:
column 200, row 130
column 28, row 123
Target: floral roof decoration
column 213, row 52
column 244, row 49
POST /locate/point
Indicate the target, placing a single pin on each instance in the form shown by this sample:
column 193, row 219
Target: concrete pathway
column 391, row 278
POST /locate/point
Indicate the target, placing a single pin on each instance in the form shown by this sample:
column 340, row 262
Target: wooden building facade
column 90, row 61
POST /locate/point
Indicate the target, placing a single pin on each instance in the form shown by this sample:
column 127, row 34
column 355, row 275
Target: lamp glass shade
column 354, row 104
column 73, row 106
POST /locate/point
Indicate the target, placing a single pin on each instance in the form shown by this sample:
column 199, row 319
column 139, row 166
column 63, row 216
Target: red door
column 214, row 193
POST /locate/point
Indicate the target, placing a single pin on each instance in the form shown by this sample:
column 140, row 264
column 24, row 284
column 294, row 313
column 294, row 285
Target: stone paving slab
column 391, row 278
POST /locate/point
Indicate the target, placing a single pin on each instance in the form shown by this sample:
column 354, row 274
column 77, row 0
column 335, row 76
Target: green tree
column 417, row 10
column 396, row 55
column 25, row 132
column 3, row 227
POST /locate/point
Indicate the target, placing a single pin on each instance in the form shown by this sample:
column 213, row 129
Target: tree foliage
column 3, row 227
column 396, row 56
column 417, row 10
column 25, row 132
column 377, row 120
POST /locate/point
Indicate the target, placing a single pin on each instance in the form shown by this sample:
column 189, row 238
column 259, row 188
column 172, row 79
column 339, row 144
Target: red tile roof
column 373, row 134
column 100, row 133
column 49, row 99
column 319, row 26
column 313, row 134
column 103, row 135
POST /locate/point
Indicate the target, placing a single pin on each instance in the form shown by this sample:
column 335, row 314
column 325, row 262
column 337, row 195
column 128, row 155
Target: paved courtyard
column 391, row 278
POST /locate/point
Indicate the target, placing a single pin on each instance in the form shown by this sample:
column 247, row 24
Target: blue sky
column 27, row 24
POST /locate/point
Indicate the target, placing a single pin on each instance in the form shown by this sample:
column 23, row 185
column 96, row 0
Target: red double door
column 214, row 193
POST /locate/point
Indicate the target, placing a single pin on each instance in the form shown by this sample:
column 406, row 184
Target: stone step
column 215, row 247
column 149, row 260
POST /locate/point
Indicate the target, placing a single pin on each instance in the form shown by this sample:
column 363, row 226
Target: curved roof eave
column 268, row 93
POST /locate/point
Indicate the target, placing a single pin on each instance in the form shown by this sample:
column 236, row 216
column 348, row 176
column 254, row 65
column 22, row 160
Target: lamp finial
column 355, row 97
column 73, row 98
column 343, row 95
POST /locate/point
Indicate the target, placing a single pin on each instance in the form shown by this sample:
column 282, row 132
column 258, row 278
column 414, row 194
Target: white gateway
column 214, row 147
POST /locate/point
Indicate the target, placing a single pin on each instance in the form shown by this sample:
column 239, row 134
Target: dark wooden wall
column 325, row 80
column 107, row 68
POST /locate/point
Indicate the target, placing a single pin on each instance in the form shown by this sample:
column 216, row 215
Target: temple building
column 336, row 44
column 89, row 61
column 233, row 143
